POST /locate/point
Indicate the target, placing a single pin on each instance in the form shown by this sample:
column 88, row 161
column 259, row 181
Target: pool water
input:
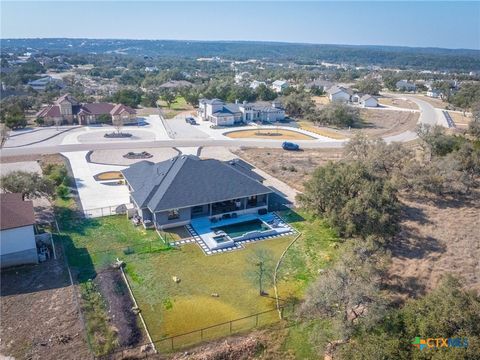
column 235, row 230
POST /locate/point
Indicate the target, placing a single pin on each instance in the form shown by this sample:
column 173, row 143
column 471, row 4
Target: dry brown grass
column 438, row 103
column 291, row 167
column 321, row 131
column 404, row 104
column 436, row 238
column 459, row 119
column 377, row 122
column 272, row 134
column 110, row 175
column 320, row 100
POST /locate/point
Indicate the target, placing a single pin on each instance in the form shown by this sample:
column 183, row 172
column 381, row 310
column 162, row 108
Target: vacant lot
column 436, row 239
column 291, row 167
column 377, row 122
column 39, row 318
column 320, row 100
column 272, row 134
column 459, row 119
column 177, row 107
column 322, row 131
column 401, row 103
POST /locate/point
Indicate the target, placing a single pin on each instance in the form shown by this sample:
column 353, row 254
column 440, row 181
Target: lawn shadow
column 79, row 259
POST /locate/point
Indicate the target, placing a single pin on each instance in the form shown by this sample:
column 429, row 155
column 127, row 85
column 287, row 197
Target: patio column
column 266, row 195
column 210, row 209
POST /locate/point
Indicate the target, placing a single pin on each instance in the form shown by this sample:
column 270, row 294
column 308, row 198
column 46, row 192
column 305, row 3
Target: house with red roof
column 66, row 109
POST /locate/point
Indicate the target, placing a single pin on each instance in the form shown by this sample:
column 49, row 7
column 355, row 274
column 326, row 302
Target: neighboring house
column 227, row 114
column 67, row 109
column 279, row 85
column 241, row 77
column 255, row 84
column 151, row 69
column 17, row 236
column 42, row 83
column 176, row 84
column 319, row 83
column 172, row 192
column 434, row 93
column 339, row 94
column 404, row 85
column 368, row 101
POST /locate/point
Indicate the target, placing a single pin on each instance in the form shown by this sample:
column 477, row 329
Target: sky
column 418, row 24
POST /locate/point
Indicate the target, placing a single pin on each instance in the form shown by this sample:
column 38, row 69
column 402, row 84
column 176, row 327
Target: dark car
column 290, row 146
column 191, row 121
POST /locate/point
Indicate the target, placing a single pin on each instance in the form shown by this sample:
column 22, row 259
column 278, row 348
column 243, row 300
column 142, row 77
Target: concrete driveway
column 94, row 196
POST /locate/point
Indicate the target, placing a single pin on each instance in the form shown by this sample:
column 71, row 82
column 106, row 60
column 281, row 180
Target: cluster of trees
column 370, row 86
column 335, row 114
column 358, row 196
column 467, row 97
column 54, row 182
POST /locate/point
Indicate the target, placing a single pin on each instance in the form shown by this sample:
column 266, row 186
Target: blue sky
column 426, row 24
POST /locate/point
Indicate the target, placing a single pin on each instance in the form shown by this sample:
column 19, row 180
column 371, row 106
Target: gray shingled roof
column 186, row 181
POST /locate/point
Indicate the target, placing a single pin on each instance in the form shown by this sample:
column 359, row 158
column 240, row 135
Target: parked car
column 290, row 146
column 190, row 120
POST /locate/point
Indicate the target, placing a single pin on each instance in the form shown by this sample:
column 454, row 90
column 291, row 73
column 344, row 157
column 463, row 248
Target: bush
column 63, row 191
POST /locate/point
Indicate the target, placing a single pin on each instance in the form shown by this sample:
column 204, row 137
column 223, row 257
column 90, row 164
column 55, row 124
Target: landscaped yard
column 212, row 289
column 275, row 134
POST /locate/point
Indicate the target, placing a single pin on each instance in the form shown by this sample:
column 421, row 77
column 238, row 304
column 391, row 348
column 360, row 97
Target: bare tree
column 261, row 269
column 117, row 124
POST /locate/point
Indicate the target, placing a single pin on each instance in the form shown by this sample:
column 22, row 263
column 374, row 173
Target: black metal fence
column 210, row 333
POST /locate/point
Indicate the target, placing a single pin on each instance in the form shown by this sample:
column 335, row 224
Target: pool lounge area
column 229, row 233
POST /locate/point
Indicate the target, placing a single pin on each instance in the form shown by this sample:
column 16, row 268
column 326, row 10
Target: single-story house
column 368, row 101
column 42, row 83
column 339, row 94
column 17, row 236
column 405, row 85
column 176, row 84
column 319, row 83
column 173, row 192
column 228, row 114
column 434, row 93
column 67, row 109
column 255, row 84
column 279, row 85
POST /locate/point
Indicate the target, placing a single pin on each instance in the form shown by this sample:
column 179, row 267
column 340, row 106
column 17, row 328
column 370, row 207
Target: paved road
column 428, row 115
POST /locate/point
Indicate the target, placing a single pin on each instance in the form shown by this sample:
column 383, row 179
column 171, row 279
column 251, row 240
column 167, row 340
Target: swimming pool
column 238, row 229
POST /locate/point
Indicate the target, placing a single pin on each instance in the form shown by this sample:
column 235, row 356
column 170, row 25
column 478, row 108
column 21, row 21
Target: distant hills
column 385, row 56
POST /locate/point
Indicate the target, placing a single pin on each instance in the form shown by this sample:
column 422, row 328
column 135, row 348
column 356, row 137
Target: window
column 173, row 214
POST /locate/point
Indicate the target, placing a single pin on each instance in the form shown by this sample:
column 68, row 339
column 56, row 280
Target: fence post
column 201, row 334
column 172, row 342
column 256, row 320
column 230, row 327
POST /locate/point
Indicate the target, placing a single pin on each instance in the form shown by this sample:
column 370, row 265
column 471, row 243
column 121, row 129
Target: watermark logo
column 436, row 343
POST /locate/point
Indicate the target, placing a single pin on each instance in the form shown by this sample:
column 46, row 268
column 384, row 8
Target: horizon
column 395, row 24
column 241, row 41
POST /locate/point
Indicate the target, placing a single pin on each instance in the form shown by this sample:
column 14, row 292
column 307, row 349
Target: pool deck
column 202, row 233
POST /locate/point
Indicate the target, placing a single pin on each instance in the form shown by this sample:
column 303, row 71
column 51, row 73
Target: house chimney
column 236, row 101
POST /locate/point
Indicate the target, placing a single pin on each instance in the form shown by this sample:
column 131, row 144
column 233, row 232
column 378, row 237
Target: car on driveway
column 190, row 120
column 290, row 146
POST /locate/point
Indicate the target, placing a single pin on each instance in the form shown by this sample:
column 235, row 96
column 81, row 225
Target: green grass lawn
column 171, row 308
column 178, row 105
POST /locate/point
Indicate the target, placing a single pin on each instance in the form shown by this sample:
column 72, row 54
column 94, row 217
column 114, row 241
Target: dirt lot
column 291, row 167
column 386, row 122
column 435, row 239
column 39, row 318
column 460, row 120
column 405, row 104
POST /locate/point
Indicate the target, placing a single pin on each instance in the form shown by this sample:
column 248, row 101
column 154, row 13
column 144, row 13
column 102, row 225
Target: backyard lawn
column 212, row 289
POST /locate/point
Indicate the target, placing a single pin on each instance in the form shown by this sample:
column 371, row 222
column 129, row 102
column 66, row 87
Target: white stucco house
column 17, row 236
column 405, row 85
column 434, row 93
column 339, row 94
column 255, row 84
column 279, row 85
column 368, row 101
column 229, row 114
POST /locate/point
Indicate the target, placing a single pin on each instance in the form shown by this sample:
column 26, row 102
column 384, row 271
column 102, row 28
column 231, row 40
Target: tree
column 169, row 97
column 30, row 185
column 448, row 311
column 355, row 201
column 336, row 114
column 298, row 104
column 467, row 96
column 348, row 294
column 474, row 126
column 436, row 141
column 117, row 123
column 264, row 93
column 150, row 99
column 104, row 119
column 369, row 86
column 191, row 96
column 128, row 97
column 261, row 269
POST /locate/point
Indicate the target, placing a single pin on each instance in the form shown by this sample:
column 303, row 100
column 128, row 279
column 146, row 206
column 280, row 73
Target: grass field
column 319, row 131
column 273, row 134
column 171, row 308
